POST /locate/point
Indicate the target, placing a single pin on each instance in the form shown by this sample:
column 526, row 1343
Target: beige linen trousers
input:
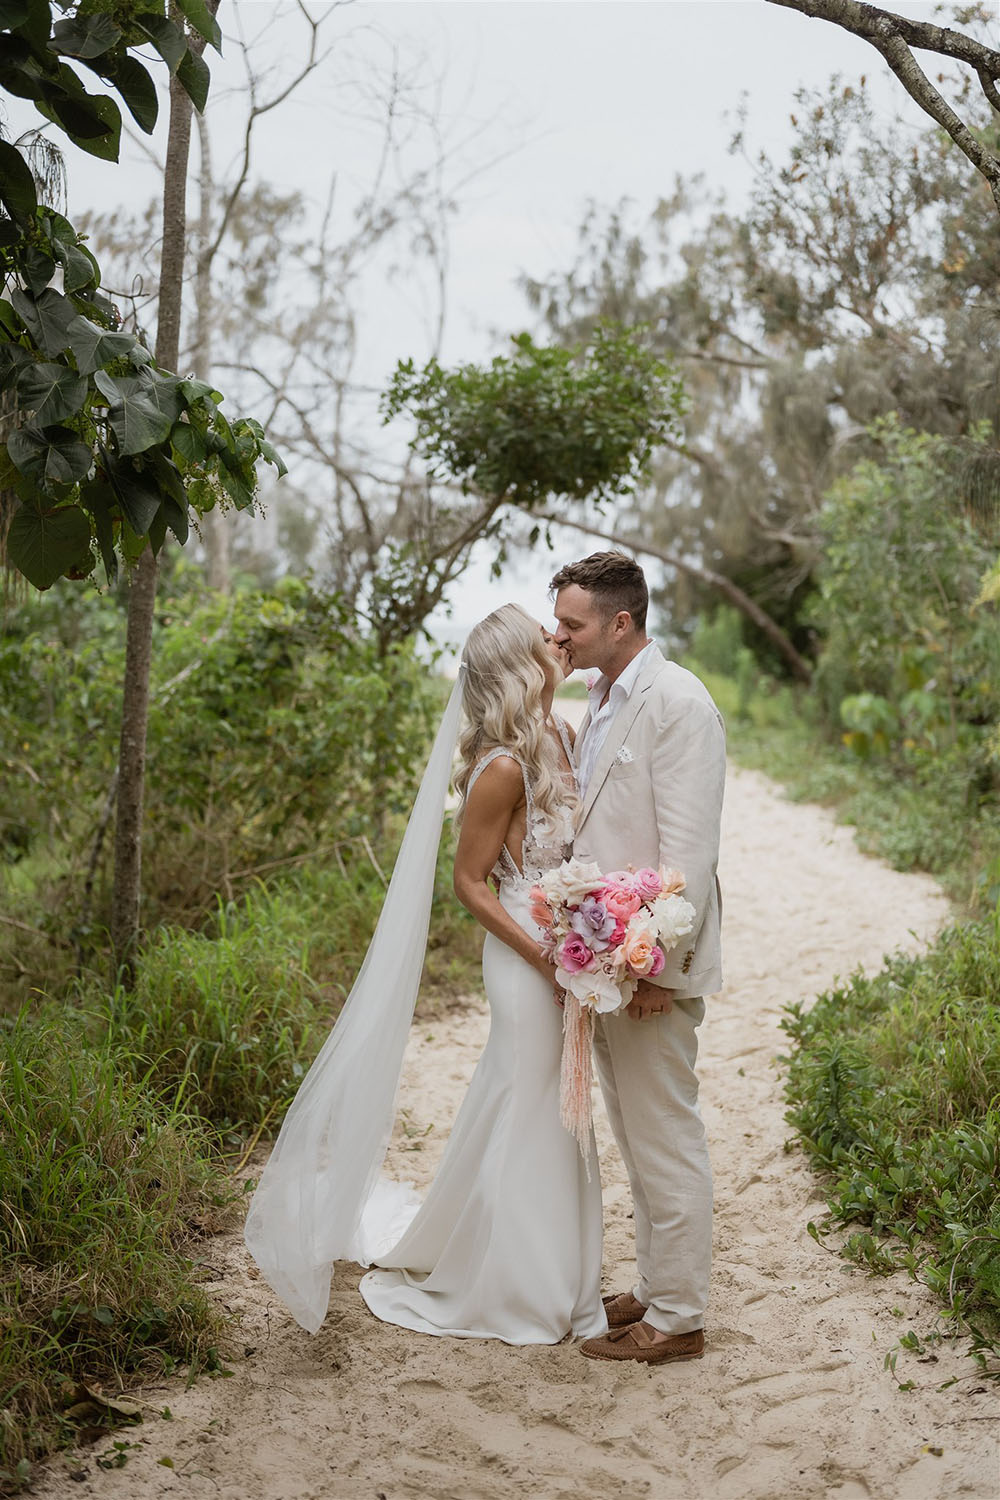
column 655, row 798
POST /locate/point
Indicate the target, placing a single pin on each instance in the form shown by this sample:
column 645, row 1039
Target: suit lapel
column 617, row 734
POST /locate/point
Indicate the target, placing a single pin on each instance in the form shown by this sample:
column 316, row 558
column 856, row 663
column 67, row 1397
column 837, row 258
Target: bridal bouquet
column 604, row 933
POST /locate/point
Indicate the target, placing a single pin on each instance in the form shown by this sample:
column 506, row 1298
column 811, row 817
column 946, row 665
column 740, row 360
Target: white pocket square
column 624, row 756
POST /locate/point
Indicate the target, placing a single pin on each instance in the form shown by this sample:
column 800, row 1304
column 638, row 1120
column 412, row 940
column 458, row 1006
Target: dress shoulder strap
column 492, row 755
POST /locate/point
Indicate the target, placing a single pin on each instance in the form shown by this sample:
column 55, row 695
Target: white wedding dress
column 507, row 1242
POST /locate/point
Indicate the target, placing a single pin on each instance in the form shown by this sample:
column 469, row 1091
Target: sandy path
column 791, row 1399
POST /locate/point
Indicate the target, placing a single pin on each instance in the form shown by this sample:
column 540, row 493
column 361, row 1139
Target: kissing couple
column 506, row 1243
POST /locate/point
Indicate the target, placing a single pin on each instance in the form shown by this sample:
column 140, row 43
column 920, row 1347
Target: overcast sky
column 558, row 102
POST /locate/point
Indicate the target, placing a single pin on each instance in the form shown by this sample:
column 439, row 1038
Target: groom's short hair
column 616, row 581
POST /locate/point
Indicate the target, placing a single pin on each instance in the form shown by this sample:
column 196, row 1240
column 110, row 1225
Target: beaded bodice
column 548, row 837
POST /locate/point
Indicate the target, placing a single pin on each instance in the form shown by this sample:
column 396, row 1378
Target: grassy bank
column 893, row 1081
column 108, row 1190
column 894, row 1091
column 120, row 1116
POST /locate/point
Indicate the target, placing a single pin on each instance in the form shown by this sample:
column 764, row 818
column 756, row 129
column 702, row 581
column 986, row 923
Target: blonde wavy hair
column 505, row 661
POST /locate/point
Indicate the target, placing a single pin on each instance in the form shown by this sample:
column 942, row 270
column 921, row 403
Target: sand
column 792, row 1400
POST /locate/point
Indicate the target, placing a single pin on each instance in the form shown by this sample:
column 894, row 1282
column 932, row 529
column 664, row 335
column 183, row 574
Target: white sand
column 791, row 1400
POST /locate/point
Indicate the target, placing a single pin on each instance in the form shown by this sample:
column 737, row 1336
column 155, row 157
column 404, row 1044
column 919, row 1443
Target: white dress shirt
column 600, row 718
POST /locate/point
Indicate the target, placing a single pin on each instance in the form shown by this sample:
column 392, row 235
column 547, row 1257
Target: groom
column 651, row 765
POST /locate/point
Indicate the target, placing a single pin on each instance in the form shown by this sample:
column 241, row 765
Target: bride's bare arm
column 488, row 812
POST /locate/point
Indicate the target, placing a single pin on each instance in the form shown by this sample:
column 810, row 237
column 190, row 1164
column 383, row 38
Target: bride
column 507, row 1243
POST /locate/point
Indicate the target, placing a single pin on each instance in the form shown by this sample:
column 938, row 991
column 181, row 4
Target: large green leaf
column 138, row 90
column 200, row 17
column 39, row 269
column 12, row 358
column 167, row 38
column 13, row 13
column 93, row 121
column 193, row 390
column 188, row 442
column 100, row 500
column 136, row 419
column 93, row 346
column 45, row 544
column 138, row 495
column 194, row 77
column 46, row 317
column 79, row 267
column 85, row 36
column 53, row 455
column 236, row 487
column 176, row 517
column 17, row 186
column 52, row 392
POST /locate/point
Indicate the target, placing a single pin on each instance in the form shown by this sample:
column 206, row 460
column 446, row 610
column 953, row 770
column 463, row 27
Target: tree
column 542, row 426
column 896, row 37
column 281, row 284
column 860, row 281
column 114, row 448
column 108, row 448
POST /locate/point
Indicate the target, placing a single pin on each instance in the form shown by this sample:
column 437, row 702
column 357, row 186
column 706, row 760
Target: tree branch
column 893, row 36
column 718, row 581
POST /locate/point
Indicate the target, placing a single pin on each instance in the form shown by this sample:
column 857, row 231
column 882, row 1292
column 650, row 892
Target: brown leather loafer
column 633, row 1342
column 622, row 1308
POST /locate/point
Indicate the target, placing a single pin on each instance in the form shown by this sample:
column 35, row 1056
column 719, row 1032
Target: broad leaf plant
column 101, row 450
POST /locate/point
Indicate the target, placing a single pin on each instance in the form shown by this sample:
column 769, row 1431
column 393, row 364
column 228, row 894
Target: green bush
column 908, row 664
column 225, row 1022
column 894, row 1090
column 106, row 1194
column 276, row 730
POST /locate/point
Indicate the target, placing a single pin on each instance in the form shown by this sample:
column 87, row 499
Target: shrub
column 894, row 1089
column 106, row 1193
column 227, row 1021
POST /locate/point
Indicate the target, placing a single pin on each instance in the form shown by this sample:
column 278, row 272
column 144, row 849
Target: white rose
column 673, row 918
column 572, row 881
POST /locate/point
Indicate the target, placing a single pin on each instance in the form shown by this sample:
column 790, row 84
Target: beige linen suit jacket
column 655, row 798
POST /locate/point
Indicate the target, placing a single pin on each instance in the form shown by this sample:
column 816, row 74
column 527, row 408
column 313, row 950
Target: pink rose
column 620, row 901
column 648, row 883
column 573, row 955
column 618, row 934
column 659, row 959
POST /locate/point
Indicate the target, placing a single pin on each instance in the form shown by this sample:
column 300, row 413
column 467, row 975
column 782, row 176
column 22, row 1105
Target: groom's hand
column 649, row 1000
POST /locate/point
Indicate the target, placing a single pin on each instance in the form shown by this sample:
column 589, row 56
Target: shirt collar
column 623, row 684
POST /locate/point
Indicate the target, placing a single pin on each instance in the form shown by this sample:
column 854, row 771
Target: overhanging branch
column 894, row 36
column 718, row 581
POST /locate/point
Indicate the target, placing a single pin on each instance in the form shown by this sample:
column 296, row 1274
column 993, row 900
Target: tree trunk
column 142, row 592
column 725, row 586
column 216, row 524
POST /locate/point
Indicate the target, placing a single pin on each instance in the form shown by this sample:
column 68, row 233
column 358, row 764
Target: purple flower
column 593, row 922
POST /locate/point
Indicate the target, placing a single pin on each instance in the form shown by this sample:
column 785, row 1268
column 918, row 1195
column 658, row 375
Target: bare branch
column 893, row 36
column 725, row 586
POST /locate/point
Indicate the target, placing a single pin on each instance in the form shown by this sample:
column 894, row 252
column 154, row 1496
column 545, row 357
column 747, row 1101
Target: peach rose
column 638, row 950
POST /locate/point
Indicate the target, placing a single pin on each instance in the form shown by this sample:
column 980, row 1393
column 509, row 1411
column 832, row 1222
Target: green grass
column 107, row 1192
column 226, row 1022
column 894, row 1090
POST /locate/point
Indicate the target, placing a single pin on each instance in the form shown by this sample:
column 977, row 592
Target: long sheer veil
column 307, row 1210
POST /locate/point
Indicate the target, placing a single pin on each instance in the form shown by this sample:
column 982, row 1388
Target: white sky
column 574, row 99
